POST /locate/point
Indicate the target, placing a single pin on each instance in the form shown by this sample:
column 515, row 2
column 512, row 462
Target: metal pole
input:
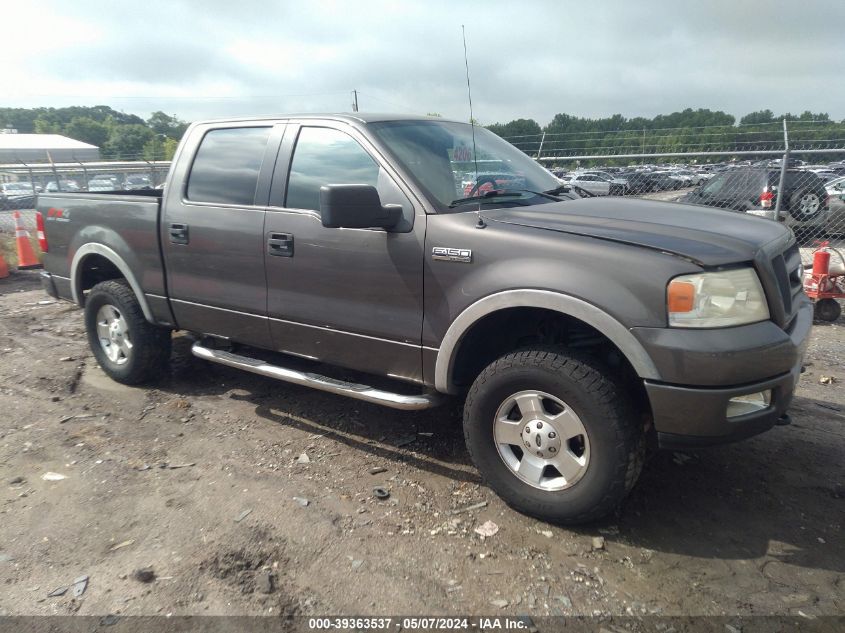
column 355, row 101
column 784, row 163
column 540, row 151
column 55, row 172
column 642, row 160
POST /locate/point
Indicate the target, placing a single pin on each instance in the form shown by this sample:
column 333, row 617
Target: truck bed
column 80, row 225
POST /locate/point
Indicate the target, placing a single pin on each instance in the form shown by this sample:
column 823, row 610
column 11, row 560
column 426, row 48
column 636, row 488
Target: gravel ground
column 234, row 494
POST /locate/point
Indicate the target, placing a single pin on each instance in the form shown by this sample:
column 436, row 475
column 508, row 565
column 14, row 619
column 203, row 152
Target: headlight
column 716, row 299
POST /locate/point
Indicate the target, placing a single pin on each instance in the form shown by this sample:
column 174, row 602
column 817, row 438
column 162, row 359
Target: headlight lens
column 716, row 299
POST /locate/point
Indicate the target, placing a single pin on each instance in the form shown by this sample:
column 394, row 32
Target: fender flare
column 619, row 335
column 92, row 248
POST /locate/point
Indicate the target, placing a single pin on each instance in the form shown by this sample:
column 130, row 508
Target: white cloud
column 527, row 59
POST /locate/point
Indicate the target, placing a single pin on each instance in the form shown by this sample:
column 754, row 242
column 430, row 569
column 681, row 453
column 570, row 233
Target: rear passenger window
column 324, row 156
column 226, row 167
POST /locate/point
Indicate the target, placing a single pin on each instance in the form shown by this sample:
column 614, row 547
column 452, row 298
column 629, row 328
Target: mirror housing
column 356, row 207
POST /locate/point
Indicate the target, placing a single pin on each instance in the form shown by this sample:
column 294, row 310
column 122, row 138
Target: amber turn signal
column 681, row 296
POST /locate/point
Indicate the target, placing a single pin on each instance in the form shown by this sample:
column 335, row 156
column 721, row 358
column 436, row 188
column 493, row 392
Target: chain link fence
column 791, row 172
column 21, row 181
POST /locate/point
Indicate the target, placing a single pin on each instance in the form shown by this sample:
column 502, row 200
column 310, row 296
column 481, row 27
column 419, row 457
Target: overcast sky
column 214, row 58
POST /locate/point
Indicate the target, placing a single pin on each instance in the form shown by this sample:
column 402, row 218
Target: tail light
column 766, row 198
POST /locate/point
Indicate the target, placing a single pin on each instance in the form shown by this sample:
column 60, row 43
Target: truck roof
column 351, row 117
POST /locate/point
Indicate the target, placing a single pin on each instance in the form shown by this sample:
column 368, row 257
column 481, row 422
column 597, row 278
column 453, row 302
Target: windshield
column 439, row 156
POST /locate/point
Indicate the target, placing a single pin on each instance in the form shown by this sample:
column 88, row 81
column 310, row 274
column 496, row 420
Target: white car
column 67, row 185
column 12, row 189
column 691, row 178
column 591, row 183
column 101, row 185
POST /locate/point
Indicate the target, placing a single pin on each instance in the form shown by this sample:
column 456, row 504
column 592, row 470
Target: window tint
column 226, row 166
column 326, row 157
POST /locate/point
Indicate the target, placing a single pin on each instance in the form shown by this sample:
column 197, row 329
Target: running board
column 323, row 383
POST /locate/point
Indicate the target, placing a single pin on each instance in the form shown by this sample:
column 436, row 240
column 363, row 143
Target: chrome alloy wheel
column 113, row 334
column 809, row 203
column 541, row 440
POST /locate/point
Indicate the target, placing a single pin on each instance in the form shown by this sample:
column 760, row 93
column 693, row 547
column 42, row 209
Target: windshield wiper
column 561, row 188
column 495, row 193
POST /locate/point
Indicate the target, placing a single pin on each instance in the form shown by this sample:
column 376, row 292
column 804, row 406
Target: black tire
column 828, row 310
column 150, row 344
column 616, row 439
column 795, row 204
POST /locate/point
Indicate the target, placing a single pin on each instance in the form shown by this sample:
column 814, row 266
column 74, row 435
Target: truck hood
column 708, row 237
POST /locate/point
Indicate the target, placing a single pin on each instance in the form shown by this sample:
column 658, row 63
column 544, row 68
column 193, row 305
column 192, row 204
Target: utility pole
column 355, row 101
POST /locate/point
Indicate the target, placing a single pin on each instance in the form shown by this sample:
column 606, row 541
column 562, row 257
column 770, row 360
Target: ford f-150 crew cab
column 577, row 330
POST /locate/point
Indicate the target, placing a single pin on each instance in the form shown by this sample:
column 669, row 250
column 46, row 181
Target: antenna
column 471, row 118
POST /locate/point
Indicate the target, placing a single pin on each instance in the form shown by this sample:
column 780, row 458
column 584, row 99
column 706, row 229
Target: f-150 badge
column 442, row 253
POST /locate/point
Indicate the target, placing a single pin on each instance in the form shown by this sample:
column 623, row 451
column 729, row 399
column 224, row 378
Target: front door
column 350, row 297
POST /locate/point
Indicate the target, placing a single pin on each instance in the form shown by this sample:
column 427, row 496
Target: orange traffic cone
column 4, row 268
column 26, row 256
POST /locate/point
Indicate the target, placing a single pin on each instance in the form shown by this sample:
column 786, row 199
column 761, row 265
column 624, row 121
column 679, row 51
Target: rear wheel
column 804, row 205
column 553, row 435
column 129, row 348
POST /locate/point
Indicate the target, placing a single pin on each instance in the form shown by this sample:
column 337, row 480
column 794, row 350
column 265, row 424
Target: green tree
column 171, row 126
column 43, row 125
column 160, row 148
column 87, row 130
column 756, row 118
column 127, row 141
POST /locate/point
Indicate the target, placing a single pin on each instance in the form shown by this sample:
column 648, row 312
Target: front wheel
column 553, row 435
column 129, row 348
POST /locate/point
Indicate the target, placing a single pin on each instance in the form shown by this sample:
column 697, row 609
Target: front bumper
column 703, row 370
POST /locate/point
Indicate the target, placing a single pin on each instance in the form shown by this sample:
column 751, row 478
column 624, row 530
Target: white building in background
column 39, row 148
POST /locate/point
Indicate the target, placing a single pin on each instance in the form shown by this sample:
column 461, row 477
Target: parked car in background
column 689, row 178
column 618, row 184
column 13, row 189
column 754, row 190
column 135, row 183
column 836, row 187
column 16, row 195
column 836, row 202
column 648, row 181
column 101, row 184
column 62, row 185
column 825, row 174
column 596, row 185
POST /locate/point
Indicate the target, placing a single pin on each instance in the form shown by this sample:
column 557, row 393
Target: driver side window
column 324, row 156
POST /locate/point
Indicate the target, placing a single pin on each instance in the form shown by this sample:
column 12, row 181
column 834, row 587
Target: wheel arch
column 92, row 250
column 565, row 305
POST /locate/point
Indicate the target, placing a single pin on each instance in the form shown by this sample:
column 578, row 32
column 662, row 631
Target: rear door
column 213, row 226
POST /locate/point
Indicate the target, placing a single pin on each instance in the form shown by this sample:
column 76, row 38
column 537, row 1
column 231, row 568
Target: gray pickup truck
column 579, row 331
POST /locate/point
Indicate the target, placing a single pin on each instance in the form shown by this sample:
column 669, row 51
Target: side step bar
column 323, row 383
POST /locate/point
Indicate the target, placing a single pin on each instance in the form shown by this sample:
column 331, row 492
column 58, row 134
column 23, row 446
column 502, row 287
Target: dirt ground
column 249, row 496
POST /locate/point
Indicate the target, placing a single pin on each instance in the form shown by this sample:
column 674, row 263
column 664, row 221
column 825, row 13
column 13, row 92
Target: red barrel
column 821, row 263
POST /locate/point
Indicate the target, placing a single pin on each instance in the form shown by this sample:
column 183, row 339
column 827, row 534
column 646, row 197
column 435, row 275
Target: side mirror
column 356, row 207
